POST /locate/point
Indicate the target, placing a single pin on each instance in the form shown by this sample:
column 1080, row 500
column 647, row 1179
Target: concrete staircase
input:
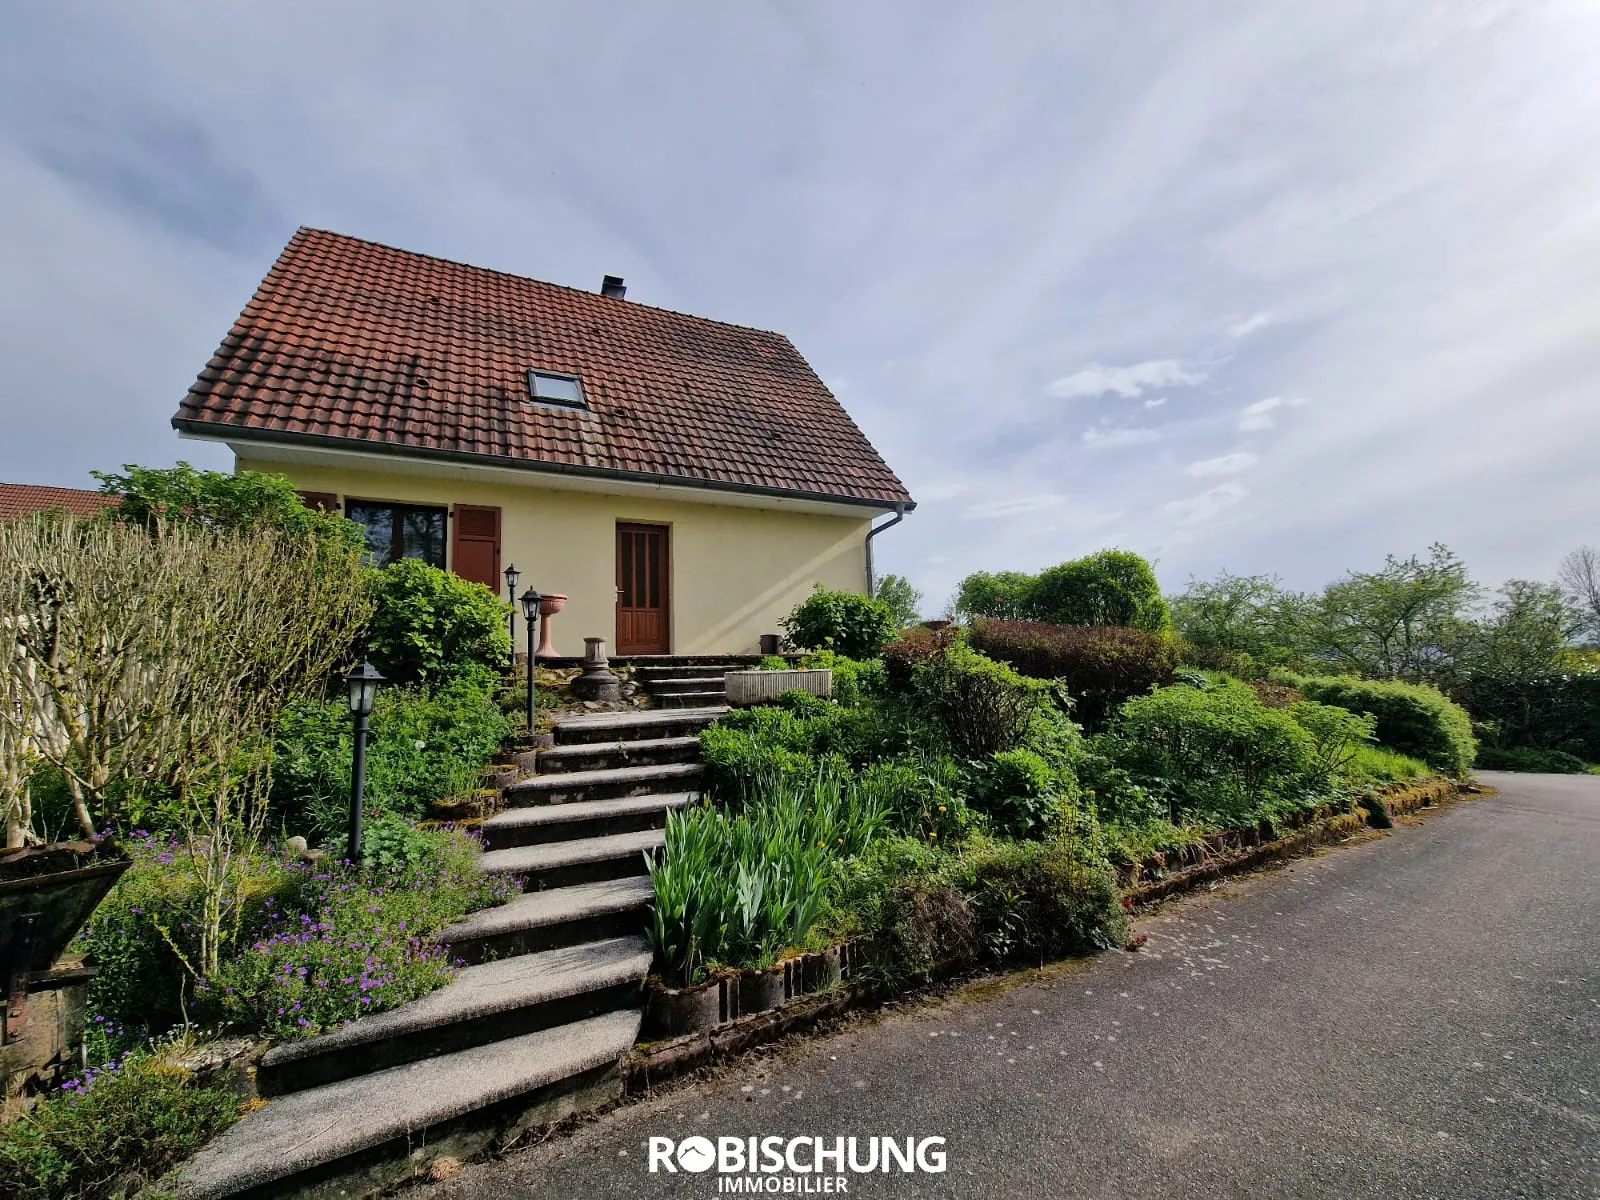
column 686, row 681
column 532, row 1029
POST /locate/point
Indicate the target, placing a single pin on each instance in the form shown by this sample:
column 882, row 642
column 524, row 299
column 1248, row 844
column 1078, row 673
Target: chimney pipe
column 611, row 286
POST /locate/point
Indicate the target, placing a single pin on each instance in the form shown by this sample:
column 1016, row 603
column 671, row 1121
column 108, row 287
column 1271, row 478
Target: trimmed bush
column 1547, row 712
column 1216, row 754
column 1413, row 718
column 1544, row 762
column 981, row 706
column 854, row 681
column 850, row 624
column 431, row 626
column 1039, row 901
column 1102, row 666
column 900, row 657
column 1016, row 790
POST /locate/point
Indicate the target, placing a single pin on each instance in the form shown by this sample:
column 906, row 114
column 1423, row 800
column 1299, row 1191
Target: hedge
column 1102, row 666
column 1412, row 718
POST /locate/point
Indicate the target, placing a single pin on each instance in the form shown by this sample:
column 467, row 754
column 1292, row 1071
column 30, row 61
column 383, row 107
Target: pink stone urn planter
column 549, row 606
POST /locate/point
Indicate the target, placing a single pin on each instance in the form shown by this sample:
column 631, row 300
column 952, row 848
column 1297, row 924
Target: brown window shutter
column 327, row 502
column 475, row 545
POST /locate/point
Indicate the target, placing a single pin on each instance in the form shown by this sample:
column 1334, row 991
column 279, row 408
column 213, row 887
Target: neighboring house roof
column 360, row 346
column 20, row 499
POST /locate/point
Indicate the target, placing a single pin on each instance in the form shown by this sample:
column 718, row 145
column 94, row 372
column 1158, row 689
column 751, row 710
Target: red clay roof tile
column 20, row 499
column 350, row 340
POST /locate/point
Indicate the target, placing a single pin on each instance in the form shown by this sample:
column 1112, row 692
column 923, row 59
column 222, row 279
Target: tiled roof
column 20, row 499
column 382, row 349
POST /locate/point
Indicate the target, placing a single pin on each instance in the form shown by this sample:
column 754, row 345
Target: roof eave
column 217, row 431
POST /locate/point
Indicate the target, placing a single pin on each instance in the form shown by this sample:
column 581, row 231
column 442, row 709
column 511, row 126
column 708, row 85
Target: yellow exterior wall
column 735, row 571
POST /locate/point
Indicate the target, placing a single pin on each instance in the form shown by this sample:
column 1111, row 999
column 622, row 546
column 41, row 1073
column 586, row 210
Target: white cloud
column 1258, row 416
column 1250, row 324
column 1018, row 506
column 935, row 492
column 1129, row 382
column 1226, row 464
column 1098, row 437
column 1155, row 402
column 1194, row 509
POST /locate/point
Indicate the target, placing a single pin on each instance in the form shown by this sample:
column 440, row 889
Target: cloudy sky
column 1272, row 287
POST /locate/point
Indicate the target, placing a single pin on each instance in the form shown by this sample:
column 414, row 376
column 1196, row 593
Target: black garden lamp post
column 512, row 575
column 530, row 614
column 363, row 684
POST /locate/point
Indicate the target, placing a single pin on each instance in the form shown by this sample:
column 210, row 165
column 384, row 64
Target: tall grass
column 737, row 890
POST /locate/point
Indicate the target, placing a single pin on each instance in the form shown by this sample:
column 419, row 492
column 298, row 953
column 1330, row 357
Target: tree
column 1579, row 578
column 1525, row 636
column 216, row 500
column 1110, row 587
column 903, row 600
column 1004, row 595
column 1406, row 621
column 1244, row 614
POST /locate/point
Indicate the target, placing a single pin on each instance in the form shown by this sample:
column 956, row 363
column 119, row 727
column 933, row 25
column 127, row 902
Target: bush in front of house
column 900, row 657
column 430, row 626
column 112, row 1129
column 423, row 747
column 1102, row 666
column 1415, row 719
column 855, row 681
column 981, row 706
column 850, row 624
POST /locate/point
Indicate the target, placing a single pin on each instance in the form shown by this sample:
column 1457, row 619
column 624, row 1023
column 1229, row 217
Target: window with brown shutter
column 327, row 502
column 475, row 545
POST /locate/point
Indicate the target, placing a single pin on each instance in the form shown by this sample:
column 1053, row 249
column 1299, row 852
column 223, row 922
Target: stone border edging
column 661, row 1062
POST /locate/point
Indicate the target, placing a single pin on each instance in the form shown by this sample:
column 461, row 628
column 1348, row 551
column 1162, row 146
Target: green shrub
column 1102, row 666
column 1412, row 718
column 900, row 896
column 430, row 626
column 1558, row 711
column 105, row 1133
column 915, row 645
column 1216, row 754
column 923, row 794
column 854, row 681
column 1549, row 762
column 1016, row 789
column 853, row 625
column 981, row 706
column 350, row 942
column 1040, row 901
column 1337, row 734
column 1110, row 587
column 422, row 748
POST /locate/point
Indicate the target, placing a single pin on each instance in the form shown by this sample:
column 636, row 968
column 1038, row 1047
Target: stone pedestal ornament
column 597, row 681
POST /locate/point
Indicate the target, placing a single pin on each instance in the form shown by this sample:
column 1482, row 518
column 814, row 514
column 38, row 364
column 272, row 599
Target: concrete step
column 651, row 662
column 691, row 699
column 580, row 819
column 689, row 683
column 587, row 860
column 545, row 920
column 564, row 787
column 639, row 752
column 650, row 676
column 486, row 1003
column 648, row 724
column 305, row 1137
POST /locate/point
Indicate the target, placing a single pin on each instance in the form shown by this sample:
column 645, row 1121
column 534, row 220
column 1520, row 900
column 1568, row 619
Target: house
column 21, row 499
column 684, row 482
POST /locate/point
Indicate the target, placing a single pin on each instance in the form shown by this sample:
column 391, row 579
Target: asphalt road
column 1417, row 1015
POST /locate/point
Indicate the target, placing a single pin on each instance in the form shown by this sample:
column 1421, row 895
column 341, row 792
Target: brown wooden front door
column 643, row 581
column 476, row 552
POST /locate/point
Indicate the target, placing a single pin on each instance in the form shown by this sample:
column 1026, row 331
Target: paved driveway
column 1415, row 1016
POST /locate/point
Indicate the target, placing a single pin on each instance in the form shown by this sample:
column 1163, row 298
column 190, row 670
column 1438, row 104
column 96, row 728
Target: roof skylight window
column 547, row 387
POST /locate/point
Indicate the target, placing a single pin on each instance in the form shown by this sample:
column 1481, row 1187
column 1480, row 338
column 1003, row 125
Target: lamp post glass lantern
column 512, row 575
column 363, row 687
column 530, row 614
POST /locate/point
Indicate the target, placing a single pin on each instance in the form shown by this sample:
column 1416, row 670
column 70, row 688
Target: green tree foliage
column 1005, row 595
column 904, row 601
column 855, row 626
column 1407, row 621
column 1525, row 636
column 1243, row 614
column 430, row 625
column 1110, row 587
column 247, row 500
